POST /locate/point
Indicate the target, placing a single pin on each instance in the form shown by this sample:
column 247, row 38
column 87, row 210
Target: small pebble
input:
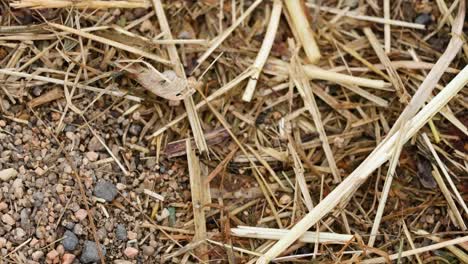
column 105, row 190
column 37, row 255
column 134, row 129
column 70, row 241
column 7, row 219
column 92, row 156
column 148, row 250
column 7, row 174
column 81, row 214
column 121, row 232
column 132, row 235
column 90, row 253
column 424, row 19
column 52, row 256
column 78, row 229
column 68, row 258
column 285, row 199
column 131, row 252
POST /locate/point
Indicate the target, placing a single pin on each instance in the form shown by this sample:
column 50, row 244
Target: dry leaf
column 166, row 85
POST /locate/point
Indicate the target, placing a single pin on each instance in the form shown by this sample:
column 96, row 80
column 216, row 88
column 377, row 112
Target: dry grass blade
column 381, row 154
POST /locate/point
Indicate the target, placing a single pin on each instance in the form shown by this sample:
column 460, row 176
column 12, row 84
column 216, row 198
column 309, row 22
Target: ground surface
column 80, row 167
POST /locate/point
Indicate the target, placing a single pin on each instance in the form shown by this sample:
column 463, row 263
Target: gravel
column 105, row 190
column 90, row 252
column 70, row 241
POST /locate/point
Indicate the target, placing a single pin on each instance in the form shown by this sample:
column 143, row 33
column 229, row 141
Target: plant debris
column 251, row 131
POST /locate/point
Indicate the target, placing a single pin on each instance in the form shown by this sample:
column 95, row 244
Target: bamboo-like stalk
column 264, row 51
column 276, row 234
column 302, row 27
column 380, row 155
column 88, row 4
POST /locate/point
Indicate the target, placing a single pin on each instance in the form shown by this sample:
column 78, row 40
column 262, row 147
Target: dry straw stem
column 380, row 155
column 387, row 31
column 300, row 178
column 393, row 74
column 62, row 82
column 219, row 39
column 276, row 234
column 315, row 72
column 224, row 89
column 302, row 27
column 462, row 256
column 412, row 252
column 425, row 89
column 88, row 4
column 198, row 194
column 111, row 43
column 379, row 20
column 179, row 69
column 444, row 171
column 305, row 90
column 264, row 51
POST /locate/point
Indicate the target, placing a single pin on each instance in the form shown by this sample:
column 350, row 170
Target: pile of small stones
column 42, row 212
